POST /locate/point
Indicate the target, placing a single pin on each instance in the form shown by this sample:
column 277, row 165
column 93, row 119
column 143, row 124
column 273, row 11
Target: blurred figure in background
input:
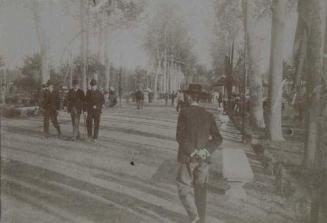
column 139, row 97
column 180, row 100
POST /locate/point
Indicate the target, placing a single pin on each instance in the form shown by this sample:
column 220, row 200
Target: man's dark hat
column 194, row 89
column 93, row 82
column 44, row 85
column 75, row 82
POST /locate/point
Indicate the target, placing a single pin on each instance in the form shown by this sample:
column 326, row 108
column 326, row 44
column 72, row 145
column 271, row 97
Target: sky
column 18, row 36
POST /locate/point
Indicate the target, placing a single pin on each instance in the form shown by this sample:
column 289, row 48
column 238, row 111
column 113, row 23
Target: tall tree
column 83, row 49
column 255, row 77
column 115, row 14
column 166, row 40
column 276, row 70
column 311, row 18
column 42, row 40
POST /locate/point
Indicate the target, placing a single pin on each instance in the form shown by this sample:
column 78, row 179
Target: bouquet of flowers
column 202, row 154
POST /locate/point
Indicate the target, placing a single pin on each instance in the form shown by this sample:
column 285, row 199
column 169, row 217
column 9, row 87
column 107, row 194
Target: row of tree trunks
column 276, row 70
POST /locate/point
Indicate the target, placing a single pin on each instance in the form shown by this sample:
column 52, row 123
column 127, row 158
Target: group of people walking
column 197, row 135
column 76, row 103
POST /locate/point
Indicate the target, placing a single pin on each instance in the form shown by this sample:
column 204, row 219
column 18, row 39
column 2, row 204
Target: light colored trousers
column 192, row 180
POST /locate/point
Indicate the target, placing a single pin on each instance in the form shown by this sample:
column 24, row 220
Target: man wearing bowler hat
column 94, row 101
column 74, row 102
column 51, row 106
column 198, row 137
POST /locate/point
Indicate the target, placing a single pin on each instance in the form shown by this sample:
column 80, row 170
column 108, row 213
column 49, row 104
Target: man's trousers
column 93, row 118
column 75, row 123
column 192, row 179
column 50, row 115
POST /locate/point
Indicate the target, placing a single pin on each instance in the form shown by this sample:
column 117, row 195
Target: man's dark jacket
column 75, row 101
column 51, row 101
column 196, row 129
column 94, row 98
column 139, row 95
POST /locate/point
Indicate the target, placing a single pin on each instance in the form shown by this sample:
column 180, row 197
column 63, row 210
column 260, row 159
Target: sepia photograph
column 163, row 111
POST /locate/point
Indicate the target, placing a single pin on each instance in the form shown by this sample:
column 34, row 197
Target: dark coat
column 51, row 101
column 74, row 100
column 94, row 98
column 195, row 126
column 139, row 95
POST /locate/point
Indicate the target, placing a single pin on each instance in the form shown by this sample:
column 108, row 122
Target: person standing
column 198, row 137
column 173, row 96
column 51, row 106
column 180, row 100
column 94, row 100
column 139, row 96
column 166, row 97
column 74, row 103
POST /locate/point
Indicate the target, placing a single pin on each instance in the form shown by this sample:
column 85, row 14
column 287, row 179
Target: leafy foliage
column 30, row 79
column 167, row 33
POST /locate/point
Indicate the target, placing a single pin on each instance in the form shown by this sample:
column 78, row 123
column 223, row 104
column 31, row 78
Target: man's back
column 196, row 129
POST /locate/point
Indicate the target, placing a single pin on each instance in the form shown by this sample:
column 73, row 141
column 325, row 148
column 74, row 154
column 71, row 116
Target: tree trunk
column 45, row 75
column 83, row 44
column 87, row 42
column 155, row 90
column 276, row 70
column 255, row 77
column 313, row 79
column 106, row 53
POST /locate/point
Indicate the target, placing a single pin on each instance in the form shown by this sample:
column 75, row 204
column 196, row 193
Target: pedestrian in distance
column 198, row 137
column 44, row 89
column 173, row 96
column 180, row 100
column 51, row 106
column 139, row 97
column 74, row 104
column 166, row 97
column 94, row 100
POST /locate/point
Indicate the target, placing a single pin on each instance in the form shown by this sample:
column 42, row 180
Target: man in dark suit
column 74, row 103
column 198, row 137
column 94, row 101
column 51, row 106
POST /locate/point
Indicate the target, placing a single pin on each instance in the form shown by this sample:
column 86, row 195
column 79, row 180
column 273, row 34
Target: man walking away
column 198, row 136
column 94, row 101
column 74, row 103
column 51, row 105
